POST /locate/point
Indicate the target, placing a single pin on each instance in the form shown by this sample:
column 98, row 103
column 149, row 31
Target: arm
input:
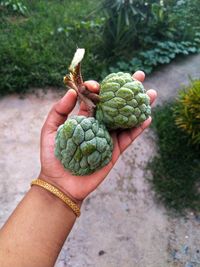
column 35, row 232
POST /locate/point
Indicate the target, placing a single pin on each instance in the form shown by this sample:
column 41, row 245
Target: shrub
column 143, row 34
column 187, row 111
column 38, row 42
column 176, row 169
column 133, row 24
column 14, row 6
column 126, row 23
column 162, row 53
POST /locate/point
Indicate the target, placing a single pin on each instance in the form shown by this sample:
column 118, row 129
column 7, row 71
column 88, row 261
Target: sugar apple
column 83, row 145
column 123, row 102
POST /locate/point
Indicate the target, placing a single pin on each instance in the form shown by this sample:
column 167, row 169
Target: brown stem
column 89, row 103
column 74, row 80
column 78, row 76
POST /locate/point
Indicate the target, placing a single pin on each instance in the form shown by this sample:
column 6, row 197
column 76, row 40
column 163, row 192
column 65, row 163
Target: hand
column 78, row 187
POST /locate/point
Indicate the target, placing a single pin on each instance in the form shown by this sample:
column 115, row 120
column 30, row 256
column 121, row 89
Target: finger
column 124, row 140
column 126, row 137
column 139, row 75
column 60, row 110
column 92, row 86
column 135, row 132
column 83, row 110
column 152, row 94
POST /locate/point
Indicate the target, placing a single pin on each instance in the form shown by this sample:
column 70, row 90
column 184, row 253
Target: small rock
column 174, row 254
column 101, row 252
column 197, row 218
column 185, row 249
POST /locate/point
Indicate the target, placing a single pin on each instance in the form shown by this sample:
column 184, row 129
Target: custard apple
column 123, row 102
column 83, row 145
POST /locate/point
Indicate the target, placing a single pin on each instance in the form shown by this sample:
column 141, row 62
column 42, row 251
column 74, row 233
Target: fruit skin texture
column 123, row 102
column 83, row 145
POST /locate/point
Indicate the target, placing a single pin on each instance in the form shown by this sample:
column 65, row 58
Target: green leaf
column 192, row 49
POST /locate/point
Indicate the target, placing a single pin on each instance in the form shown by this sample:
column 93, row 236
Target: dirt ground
column 121, row 224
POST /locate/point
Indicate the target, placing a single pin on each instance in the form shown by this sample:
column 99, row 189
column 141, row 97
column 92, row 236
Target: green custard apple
column 123, row 102
column 83, row 145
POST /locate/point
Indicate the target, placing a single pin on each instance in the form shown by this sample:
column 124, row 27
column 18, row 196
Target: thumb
column 59, row 112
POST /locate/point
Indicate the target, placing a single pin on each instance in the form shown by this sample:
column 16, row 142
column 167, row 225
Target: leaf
column 171, row 55
column 192, row 49
column 136, row 62
column 122, row 65
column 147, row 69
column 185, row 52
column 134, row 11
column 127, row 19
column 163, row 60
column 197, row 40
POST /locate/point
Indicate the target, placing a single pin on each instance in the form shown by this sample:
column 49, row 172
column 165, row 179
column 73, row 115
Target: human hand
column 52, row 171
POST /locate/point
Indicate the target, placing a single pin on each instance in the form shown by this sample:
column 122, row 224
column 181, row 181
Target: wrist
column 59, row 186
column 46, row 195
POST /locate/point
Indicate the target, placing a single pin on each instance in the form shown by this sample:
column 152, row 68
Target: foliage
column 37, row 50
column 176, row 170
column 125, row 28
column 38, row 42
column 132, row 24
column 162, row 53
column 185, row 17
column 14, row 6
column 187, row 111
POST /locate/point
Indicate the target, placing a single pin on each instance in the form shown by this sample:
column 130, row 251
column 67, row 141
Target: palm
column 80, row 186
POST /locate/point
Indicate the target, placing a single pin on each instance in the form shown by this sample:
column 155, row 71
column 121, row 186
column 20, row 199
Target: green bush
column 144, row 34
column 14, row 7
column 38, row 41
column 36, row 51
column 187, row 111
column 134, row 24
column 130, row 25
column 162, row 53
column 176, row 169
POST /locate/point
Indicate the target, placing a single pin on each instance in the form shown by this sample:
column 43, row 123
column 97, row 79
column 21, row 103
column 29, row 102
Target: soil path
column 121, row 222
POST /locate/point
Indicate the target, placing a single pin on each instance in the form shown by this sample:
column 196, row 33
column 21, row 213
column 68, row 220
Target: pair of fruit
column 83, row 144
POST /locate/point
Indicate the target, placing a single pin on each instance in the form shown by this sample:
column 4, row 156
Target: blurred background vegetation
column 38, row 38
column 176, row 168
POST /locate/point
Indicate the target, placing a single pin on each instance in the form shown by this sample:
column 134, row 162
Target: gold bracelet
column 59, row 194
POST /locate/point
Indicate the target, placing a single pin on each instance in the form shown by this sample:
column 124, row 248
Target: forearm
column 34, row 234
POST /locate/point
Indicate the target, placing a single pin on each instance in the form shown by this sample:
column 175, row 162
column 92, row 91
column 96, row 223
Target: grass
column 39, row 38
column 36, row 49
column 176, row 170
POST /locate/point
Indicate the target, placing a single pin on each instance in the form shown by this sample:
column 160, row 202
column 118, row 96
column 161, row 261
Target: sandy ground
column 121, row 222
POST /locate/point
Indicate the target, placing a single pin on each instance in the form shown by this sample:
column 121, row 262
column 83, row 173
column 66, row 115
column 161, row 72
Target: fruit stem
column 74, row 80
column 84, row 95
